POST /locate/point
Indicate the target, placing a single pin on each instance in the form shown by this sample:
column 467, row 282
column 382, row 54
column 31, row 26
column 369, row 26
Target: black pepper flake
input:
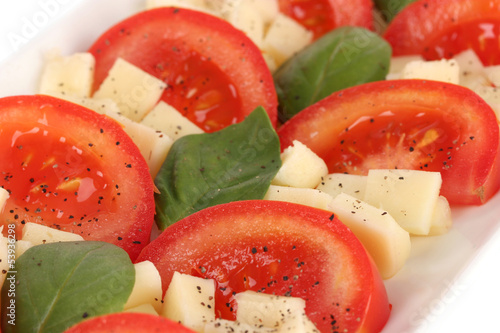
column 265, row 249
column 332, row 217
column 254, row 250
column 136, row 242
column 85, row 315
column 117, row 143
column 412, row 149
column 119, row 238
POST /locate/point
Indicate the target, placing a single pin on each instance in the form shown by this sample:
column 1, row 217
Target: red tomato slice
column 128, row 322
column 325, row 15
column 278, row 248
column 439, row 29
column 72, row 169
column 215, row 73
column 406, row 124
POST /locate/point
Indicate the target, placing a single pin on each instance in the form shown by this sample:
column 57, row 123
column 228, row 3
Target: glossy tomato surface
column 215, row 74
column 406, row 124
column 439, row 29
column 72, row 169
column 281, row 248
column 321, row 16
column 128, row 322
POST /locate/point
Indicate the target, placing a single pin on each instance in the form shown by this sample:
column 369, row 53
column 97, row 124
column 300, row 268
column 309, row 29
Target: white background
column 471, row 303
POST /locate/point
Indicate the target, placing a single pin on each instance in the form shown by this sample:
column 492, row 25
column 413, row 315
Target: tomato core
column 60, row 174
column 384, row 141
column 480, row 35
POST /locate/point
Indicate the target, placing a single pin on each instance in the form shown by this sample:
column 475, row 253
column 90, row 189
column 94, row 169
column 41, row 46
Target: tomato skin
column 462, row 134
column 128, row 322
column 325, row 15
column 439, row 29
column 277, row 247
column 215, row 74
column 72, row 169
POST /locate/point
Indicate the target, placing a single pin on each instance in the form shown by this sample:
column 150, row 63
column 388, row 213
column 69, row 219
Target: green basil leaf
column 57, row 285
column 344, row 57
column 389, row 8
column 203, row 170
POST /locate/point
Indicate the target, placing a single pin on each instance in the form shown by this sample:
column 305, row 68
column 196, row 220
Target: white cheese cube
column 336, row 183
column 388, row 244
column 229, row 326
column 493, row 74
column 190, row 301
column 4, row 256
column 246, row 17
column 441, row 218
column 153, row 145
column 409, row 196
column 438, row 70
column 397, row 64
column 134, row 91
column 147, row 287
column 22, row 246
column 472, row 73
column 165, row 118
column 68, row 75
column 284, row 38
column 491, row 95
column 260, row 309
column 199, row 5
column 301, row 167
column 304, row 196
column 39, row 234
column 4, row 196
column 143, row 308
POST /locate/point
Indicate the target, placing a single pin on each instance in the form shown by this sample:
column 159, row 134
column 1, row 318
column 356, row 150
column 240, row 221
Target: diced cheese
column 134, row 91
column 230, row 326
column 153, row 145
column 22, row 246
column 168, row 120
column 190, row 301
column 304, row 196
column 143, row 308
column 243, row 15
column 493, row 74
column 301, row 167
column 284, row 38
column 438, row 70
column 147, row 287
column 472, row 72
column 441, row 218
column 4, row 196
column 4, row 256
column 397, row 64
column 388, row 244
column 336, row 183
column 409, row 196
column 40, row 234
column 68, row 75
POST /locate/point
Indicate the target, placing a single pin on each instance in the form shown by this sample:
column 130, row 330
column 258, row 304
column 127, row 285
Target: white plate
column 451, row 283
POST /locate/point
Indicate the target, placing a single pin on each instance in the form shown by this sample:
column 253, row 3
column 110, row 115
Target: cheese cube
column 336, row 183
column 438, row 70
column 409, row 196
column 388, row 244
column 147, row 287
column 135, row 91
column 304, row 196
column 301, row 167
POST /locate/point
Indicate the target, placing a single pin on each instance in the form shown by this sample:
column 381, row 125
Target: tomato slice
column 277, row 248
column 215, row 74
column 406, row 124
column 128, row 322
column 321, row 16
column 441, row 29
column 72, row 169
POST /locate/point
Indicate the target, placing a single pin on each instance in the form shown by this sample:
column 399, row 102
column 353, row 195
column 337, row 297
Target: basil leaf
column 203, row 170
column 58, row 285
column 344, row 57
column 389, row 8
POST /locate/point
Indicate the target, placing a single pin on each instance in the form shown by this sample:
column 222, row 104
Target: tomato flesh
column 71, row 169
column 277, row 248
column 323, row 16
column 442, row 29
column 215, row 74
column 128, row 322
column 406, row 124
